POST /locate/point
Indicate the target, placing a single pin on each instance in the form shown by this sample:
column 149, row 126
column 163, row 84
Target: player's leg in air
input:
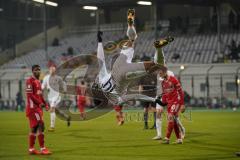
column 131, row 31
column 119, row 114
column 159, row 59
column 159, row 112
column 133, row 70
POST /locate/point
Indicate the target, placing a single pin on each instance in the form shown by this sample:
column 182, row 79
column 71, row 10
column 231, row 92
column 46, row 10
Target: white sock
column 159, row 127
column 52, row 117
column 182, row 129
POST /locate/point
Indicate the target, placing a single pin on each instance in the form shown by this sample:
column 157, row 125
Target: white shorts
column 158, row 107
column 54, row 101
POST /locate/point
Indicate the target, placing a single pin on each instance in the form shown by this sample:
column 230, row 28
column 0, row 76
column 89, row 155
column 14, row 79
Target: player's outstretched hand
column 42, row 105
column 182, row 108
column 47, row 107
column 99, row 36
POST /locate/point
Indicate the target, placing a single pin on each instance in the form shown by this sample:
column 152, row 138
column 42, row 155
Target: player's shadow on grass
column 78, row 135
column 130, row 146
column 70, row 150
column 202, row 144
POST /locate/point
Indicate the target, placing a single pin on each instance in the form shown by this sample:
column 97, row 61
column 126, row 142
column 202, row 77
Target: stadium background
column 204, row 56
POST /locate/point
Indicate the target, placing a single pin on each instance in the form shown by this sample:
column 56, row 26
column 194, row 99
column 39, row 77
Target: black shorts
column 147, row 104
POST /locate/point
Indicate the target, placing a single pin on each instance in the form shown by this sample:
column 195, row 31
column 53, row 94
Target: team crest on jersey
column 170, row 84
column 29, row 88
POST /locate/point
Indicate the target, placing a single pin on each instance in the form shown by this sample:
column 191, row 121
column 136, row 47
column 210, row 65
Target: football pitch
column 210, row 135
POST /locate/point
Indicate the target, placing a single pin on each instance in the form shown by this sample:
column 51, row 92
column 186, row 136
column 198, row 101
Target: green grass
column 211, row 135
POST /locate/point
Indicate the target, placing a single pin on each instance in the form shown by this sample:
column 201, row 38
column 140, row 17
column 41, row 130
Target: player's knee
column 159, row 114
column 41, row 127
column 34, row 129
column 146, row 109
column 52, row 109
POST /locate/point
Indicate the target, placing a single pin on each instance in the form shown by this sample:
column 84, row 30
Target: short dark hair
column 35, row 66
column 164, row 69
column 82, row 82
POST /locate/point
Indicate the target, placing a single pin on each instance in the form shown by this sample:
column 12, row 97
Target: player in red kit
column 173, row 97
column 82, row 99
column 119, row 114
column 35, row 103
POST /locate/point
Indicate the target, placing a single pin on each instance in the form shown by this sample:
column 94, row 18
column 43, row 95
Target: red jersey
column 34, row 96
column 81, row 92
column 172, row 91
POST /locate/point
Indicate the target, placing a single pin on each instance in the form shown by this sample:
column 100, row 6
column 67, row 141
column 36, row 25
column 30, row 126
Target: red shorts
column 173, row 109
column 81, row 106
column 35, row 119
column 118, row 108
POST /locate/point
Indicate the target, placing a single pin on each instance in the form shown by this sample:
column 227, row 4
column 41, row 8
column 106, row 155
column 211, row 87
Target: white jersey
column 53, row 85
column 107, row 82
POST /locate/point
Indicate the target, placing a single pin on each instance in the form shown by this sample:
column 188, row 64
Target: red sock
column 176, row 130
column 32, row 138
column 169, row 129
column 41, row 140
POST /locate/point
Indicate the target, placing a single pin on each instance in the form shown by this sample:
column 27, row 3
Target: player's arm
column 161, row 100
column 44, row 83
column 100, row 51
column 44, row 104
column 178, row 87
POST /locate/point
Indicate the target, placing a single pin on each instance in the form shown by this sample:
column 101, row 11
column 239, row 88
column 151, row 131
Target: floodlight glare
column 182, row 67
column 47, row 3
column 90, row 7
column 39, row 1
column 147, row 3
column 238, row 81
column 51, row 3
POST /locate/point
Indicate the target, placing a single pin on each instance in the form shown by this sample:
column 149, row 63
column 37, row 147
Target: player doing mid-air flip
column 114, row 84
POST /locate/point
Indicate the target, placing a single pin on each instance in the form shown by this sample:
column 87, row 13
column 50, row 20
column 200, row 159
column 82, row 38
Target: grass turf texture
column 211, row 135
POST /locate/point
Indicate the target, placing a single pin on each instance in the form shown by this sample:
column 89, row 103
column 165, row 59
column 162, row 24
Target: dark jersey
column 149, row 85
